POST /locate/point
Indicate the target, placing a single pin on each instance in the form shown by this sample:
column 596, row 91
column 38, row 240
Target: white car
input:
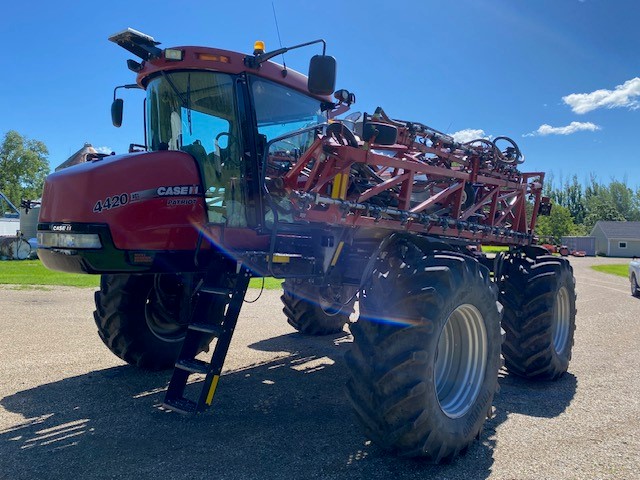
column 634, row 275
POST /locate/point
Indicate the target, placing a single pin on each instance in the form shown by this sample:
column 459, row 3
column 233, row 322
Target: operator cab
column 223, row 109
column 196, row 112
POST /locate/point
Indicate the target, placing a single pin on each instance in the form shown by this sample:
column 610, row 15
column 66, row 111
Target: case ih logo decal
column 61, row 228
column 178, row 190
column 123, row 199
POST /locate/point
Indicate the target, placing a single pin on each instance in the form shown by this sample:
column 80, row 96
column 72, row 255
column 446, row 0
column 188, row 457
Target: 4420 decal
column 111, row 202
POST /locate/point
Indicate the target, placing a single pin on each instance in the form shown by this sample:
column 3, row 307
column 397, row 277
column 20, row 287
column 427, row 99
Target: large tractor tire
column 317, row 310
column 426, row 353
column 539, row 301
column 138, row 319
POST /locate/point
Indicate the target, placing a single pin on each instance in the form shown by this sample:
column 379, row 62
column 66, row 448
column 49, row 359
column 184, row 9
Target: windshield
column 280, row 110
column 195, row 112
column 188, row 107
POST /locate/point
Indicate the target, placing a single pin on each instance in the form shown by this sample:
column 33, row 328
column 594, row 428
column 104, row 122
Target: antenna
column 275, row 18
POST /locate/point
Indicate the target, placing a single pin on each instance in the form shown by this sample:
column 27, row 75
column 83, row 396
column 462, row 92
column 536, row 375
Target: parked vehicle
column 634, row 276
column 248, row 170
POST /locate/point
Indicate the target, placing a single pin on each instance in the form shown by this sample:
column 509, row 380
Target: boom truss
column 407, row 176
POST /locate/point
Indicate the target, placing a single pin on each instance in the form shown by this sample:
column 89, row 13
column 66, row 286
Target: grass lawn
column 620, row 269
column 32, row 272
column 494, row 249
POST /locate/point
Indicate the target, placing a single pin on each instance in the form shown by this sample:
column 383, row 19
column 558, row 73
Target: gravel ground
column 70, row 409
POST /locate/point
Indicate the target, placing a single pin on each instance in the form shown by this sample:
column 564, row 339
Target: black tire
column 404, row 382
column 316, row 310
column 136, row 325
column 539, row 301
column 635, row 290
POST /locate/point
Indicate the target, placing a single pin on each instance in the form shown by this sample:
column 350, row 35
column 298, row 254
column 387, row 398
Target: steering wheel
column 230, row 140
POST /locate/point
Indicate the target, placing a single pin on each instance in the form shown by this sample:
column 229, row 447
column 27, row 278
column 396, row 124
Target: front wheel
column 138, row 318
column 426, row 353
column 317, row 309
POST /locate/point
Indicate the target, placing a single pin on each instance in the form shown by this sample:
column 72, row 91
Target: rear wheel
column 317, row 309
column 426, row 352
column 539, row 299
column 138, row 318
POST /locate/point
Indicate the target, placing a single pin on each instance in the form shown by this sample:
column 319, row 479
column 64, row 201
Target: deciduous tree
column 23, row 167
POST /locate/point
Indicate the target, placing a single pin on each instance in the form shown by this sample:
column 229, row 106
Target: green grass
column 270, row 283
column 620, row 269
column 493, row 249
column 32, row 272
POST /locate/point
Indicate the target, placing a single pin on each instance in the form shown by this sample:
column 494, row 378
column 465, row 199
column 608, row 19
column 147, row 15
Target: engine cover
column 144, row 202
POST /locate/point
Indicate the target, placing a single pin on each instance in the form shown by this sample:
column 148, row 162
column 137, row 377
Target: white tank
column 14, row 248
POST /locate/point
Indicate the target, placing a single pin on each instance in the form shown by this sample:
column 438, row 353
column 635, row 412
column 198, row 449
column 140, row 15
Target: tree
column 570, row 195
column 23, row 167
column 624, row 200
column 557, row 225
column 615, row 202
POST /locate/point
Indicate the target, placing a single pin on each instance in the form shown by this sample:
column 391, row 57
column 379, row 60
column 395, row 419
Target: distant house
column 617, row 239
column 79, row 157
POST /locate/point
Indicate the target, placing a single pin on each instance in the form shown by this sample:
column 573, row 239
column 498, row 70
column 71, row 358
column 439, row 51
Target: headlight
column 69, row 240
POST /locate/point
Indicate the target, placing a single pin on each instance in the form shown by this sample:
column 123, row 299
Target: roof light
column 258, row 47
column 173, row 54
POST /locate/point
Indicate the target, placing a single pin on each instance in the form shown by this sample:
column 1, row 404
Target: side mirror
column 116, row 112
column 322, row 75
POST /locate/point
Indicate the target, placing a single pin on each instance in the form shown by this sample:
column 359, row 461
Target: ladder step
column 209, row 328
column 180, row 405
column 216, row 291
column 193, row 365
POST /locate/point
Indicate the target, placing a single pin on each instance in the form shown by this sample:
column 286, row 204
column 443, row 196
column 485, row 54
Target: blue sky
column 558, row 76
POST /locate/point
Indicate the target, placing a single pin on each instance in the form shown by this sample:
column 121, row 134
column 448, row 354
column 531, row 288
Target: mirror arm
column 254, row 61
column 130, row 85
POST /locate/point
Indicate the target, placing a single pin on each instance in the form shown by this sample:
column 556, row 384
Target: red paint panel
column 201, row 58
column 167, row 222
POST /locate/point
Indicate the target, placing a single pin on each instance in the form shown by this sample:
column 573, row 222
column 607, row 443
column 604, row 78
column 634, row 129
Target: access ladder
column 229, row 288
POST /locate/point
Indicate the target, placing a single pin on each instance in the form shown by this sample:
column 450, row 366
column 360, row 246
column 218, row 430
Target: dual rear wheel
column 539, row 298
column 426, row 353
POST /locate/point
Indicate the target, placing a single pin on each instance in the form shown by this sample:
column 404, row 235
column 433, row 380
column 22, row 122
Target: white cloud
column 468, row 134
column 624, row 95
column 544, row 129
column 106, row 150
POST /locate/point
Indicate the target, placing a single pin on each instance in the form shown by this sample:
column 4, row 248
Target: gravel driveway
column 70, row 409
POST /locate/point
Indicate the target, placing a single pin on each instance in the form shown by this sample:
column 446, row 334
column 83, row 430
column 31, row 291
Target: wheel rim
column 162, row 310
column 561, row 320
column 461, row 360
column 161, row 326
